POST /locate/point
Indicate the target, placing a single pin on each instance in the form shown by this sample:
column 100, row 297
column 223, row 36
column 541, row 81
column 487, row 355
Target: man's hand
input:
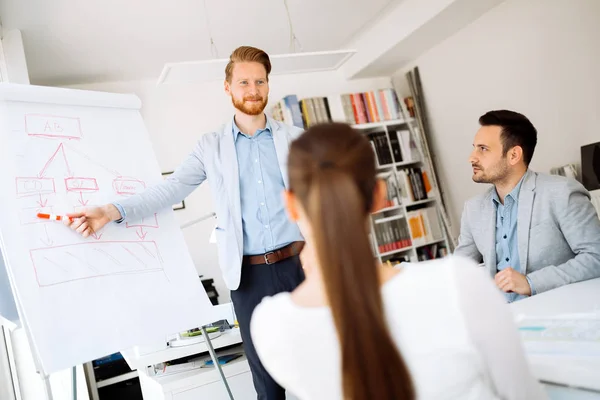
column 509, row 280
column 91, row 220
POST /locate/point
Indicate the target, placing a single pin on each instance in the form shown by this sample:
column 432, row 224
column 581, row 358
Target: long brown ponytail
column 332, row 173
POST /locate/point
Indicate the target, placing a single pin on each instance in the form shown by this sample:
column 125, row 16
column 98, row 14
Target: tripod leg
column 74, row 381
column 213, row 355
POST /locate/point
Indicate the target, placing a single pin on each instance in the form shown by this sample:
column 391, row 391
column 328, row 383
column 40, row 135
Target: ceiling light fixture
column 293, row 63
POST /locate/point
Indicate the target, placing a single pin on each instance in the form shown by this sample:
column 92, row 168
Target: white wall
column 538, row 57
column 176, row 115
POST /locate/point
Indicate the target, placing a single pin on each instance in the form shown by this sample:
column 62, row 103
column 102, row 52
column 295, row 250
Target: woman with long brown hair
column 357, row 330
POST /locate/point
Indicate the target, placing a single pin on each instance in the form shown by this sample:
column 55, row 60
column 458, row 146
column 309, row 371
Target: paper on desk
column 164, row 369
column 566, row 335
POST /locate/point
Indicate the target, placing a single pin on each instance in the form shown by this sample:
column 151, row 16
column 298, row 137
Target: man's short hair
column 247, row 54
column 517, row 130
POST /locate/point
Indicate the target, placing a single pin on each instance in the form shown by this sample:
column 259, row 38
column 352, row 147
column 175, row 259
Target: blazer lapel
column 488, row 211
column 231, row 176
column 281, row 148
column 526, row 197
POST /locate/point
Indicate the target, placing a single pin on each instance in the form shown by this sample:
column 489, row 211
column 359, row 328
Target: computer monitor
column 590, row 166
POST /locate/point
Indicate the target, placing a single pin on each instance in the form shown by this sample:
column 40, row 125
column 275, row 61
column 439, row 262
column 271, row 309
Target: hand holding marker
column 54, row 217
column 88, row 221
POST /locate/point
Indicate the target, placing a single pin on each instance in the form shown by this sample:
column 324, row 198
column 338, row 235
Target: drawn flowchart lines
column 56, row 265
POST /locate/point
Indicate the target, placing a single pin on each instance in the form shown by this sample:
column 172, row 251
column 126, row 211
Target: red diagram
column 81, row 185
column 146, row 222
column 53, row 126
column 62, row 264
column 128, row 186
column 95, row 258
column 34, row 186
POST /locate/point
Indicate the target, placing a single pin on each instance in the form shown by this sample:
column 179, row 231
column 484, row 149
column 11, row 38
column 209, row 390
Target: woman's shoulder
column 272, row 335
column 272, row 306
column 269, row 315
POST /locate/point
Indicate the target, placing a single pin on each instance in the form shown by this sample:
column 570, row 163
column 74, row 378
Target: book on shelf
column 407, row 145
column 409, row 103
column 353, row 108
column 379, row 142
column 288, row 110
column 414, row 185
column 392, row 189
column 391, row 235
column 372, row 106
column 401, row 148
column 430, row 252
column 397, row 259
column 425, row 225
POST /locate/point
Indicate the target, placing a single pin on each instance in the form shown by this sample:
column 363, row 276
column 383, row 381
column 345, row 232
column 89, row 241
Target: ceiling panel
column 74, row 41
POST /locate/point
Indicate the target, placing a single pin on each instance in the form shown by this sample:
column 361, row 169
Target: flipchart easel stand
column 211, row 350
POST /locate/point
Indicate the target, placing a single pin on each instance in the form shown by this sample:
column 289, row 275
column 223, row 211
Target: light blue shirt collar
column 514, row 194
column 237, row 131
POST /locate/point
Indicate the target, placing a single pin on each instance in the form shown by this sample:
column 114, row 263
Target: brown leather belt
column 274, row 256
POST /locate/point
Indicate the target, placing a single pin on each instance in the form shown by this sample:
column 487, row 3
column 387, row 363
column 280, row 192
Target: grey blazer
column 558, row 231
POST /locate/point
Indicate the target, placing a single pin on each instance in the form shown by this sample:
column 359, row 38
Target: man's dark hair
column 517, row 130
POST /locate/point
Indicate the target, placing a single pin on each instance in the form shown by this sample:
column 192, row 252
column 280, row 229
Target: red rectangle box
column 34, row 186
column 81, row 185
column 128, row 186
column 53, row 126
column 95, row 260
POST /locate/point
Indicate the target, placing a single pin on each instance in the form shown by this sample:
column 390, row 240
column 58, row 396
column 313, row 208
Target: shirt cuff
column 121, row 211
column 531, row 286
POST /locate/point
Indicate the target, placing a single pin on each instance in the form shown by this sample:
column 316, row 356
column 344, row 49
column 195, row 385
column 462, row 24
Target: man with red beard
column 245, row 163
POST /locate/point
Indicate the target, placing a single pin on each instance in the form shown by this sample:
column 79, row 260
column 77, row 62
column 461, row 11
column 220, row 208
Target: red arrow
column 47, row 241
column 96, row 236
column 60, row 147
column 141, row 234
column 81, row 201
column 42, row 202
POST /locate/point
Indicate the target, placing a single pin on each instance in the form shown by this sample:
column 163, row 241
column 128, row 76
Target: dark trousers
column 257, row 282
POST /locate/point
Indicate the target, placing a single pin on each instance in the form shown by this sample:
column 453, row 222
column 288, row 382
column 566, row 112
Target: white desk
column 582, row 297
column 198, row 383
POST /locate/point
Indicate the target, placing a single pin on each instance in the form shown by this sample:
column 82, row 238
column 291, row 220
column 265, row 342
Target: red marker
column 54, row 217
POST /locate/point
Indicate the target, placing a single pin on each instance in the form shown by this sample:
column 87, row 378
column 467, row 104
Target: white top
column 452, row 326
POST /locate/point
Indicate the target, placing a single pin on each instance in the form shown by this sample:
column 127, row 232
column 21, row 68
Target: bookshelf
column 409, row 227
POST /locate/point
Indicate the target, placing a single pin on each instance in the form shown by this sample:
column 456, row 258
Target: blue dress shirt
column 507, row 244
column 264, row 219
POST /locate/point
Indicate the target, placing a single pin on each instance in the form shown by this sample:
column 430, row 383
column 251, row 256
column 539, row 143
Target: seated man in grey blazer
column 533, row 232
